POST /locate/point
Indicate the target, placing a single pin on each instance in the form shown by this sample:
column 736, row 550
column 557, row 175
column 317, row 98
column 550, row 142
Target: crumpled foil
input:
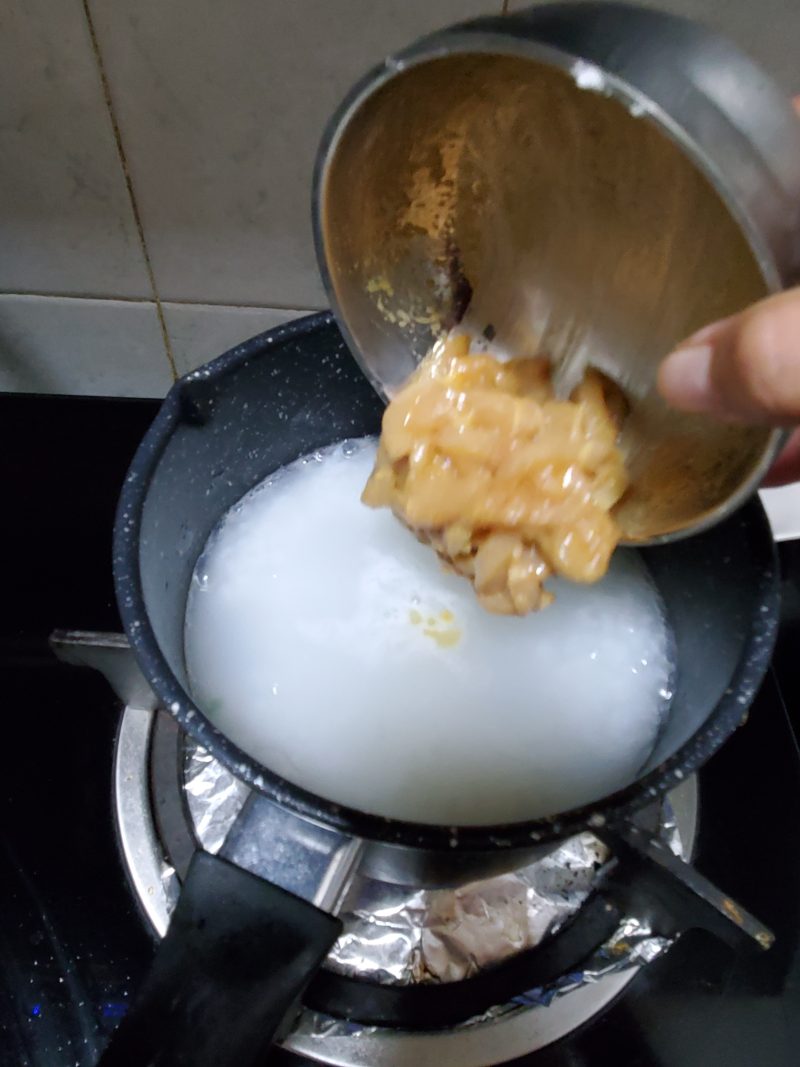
column 213, row 795
column 632, row 945
column 403, row 934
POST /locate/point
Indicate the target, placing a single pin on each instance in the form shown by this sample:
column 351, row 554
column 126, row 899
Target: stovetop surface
column 73, row 947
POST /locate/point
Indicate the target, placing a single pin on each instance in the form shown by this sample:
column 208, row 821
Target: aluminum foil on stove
column 403, row 934
column 213, row 795
column 632, row 945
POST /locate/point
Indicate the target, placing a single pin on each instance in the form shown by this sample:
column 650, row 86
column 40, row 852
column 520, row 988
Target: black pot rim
column 723, row 720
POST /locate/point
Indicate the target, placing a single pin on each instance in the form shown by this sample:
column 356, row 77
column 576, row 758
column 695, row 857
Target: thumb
column 744, row 368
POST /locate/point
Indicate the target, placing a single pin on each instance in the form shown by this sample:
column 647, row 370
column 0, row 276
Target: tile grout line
column 129, row 186
column 40, row 294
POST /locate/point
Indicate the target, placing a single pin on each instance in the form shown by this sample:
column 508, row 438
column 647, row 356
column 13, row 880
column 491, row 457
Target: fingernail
column 684, row 378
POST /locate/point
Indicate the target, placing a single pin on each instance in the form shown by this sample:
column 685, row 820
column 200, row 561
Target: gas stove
column 171, row 797
column 104, row 806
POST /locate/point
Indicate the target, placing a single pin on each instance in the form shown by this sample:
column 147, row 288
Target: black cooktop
column 73, row 947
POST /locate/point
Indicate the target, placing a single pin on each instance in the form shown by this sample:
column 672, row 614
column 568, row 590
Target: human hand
column 745, row 368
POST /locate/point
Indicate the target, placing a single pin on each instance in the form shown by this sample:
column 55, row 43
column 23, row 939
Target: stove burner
column 172, row 797
column 357, row 1013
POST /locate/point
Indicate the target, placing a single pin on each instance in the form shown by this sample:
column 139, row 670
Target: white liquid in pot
column 332, row 647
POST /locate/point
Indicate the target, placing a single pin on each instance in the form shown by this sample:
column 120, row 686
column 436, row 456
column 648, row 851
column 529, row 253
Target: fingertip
column 762, row 373
column 684, row 378
column 711, row 333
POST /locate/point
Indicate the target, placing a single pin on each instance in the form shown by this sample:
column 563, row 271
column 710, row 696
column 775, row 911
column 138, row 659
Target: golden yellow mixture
column 508, row 484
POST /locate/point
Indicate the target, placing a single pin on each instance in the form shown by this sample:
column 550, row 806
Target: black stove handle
column 648, row 880
column 237, row 956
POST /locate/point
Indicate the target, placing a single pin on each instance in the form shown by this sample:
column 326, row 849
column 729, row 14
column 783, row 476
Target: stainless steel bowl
column 594, row 181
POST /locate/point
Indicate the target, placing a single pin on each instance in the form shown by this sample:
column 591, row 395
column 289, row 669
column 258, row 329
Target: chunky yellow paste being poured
column 507, row 483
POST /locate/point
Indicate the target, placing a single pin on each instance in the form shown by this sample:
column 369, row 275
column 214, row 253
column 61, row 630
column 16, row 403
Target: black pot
column 297, row 389
column 239, row 948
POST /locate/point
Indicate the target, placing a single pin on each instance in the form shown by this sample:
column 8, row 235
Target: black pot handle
column 237, row 956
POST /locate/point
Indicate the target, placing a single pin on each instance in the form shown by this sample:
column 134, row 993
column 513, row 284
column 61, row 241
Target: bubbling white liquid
column 331, row 646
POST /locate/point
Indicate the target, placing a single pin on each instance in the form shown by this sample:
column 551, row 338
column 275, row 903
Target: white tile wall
column 199, row 332
column 69, row 345
column 221, row 107
column 66, row 224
